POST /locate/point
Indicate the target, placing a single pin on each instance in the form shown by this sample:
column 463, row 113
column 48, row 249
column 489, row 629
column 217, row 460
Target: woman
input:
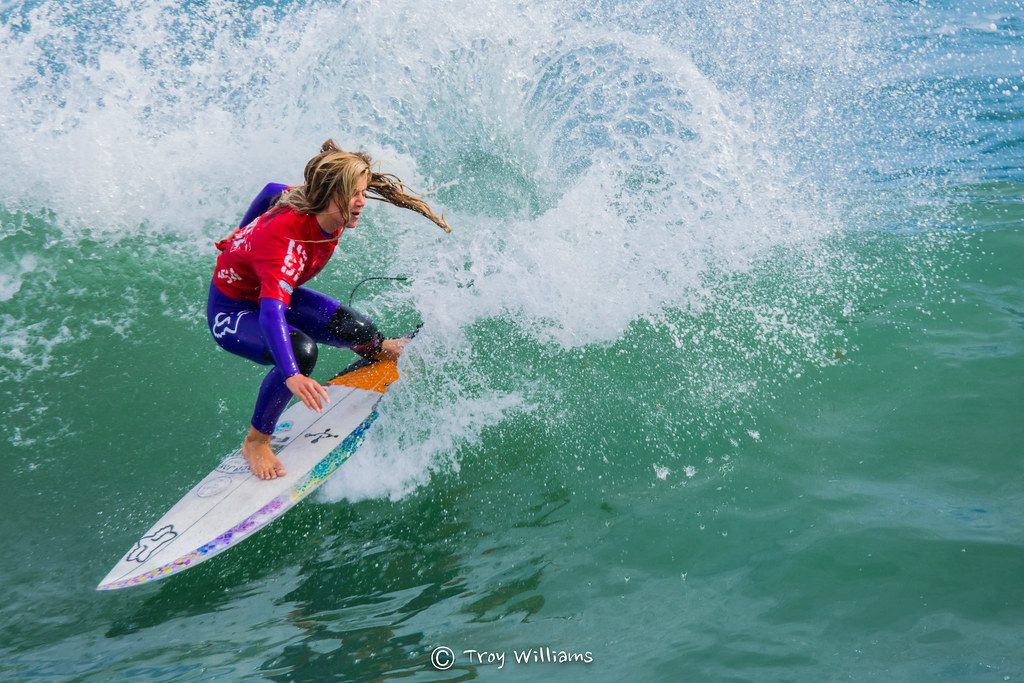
column 258, row 308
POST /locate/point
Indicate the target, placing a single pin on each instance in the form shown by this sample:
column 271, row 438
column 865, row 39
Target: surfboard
column 230, row 503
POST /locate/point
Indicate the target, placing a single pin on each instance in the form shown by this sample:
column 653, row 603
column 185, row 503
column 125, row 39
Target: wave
column 649, row 185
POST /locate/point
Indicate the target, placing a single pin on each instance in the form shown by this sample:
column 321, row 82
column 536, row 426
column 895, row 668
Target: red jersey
column 272, row 255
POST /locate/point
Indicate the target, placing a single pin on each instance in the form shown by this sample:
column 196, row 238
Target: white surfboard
column 230, row 503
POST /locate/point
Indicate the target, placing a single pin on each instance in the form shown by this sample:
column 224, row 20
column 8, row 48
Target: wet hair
column 334, row 174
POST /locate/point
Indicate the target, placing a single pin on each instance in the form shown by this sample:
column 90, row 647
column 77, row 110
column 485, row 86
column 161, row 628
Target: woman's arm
column 275, row 333
column 261, row 203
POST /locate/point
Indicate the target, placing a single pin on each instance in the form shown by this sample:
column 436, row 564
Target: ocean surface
column 721, row 376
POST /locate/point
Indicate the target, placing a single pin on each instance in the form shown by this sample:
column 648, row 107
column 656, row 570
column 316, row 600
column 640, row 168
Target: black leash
column 364, row 280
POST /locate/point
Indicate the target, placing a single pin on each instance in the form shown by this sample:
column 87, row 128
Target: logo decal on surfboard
column 213, row 487
column 147, row 545
column 236, row 464
column 315, row 437
column 281, row 437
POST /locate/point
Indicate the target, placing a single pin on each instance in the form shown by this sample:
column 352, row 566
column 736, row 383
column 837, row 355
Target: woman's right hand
column 309, row 391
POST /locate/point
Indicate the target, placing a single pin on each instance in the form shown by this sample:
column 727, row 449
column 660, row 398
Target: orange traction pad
column 374, row 377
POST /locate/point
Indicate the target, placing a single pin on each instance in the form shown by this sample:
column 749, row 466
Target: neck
column 322, row 219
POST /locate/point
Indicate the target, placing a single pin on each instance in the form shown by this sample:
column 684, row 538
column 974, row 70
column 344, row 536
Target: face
column 357, row 203
column 331, row 219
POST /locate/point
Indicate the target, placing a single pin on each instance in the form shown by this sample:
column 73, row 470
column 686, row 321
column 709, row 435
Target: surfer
column 257, row 306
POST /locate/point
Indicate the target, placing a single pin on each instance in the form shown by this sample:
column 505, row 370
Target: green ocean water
column 720, row 376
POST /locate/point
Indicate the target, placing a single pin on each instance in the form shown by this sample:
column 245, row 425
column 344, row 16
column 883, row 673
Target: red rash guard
column 271, row 256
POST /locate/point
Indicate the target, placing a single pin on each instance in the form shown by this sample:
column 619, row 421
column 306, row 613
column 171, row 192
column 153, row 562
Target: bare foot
column 391, row 349
column 262, row 461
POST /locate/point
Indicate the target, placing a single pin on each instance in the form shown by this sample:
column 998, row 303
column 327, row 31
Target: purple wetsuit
column 269, row 331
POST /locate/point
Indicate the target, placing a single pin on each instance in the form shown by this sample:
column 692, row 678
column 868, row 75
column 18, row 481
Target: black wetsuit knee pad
column 352, row 328
column 305, row 351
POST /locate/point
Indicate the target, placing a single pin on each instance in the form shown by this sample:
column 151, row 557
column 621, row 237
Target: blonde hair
column 334, row 174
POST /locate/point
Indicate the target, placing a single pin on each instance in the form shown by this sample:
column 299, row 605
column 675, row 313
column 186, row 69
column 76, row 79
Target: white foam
column 595, row 174
column 420, row 431
column 13, row 274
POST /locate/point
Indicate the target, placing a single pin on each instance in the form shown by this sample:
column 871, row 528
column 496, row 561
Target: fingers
column 312, row 394
column 320, row 393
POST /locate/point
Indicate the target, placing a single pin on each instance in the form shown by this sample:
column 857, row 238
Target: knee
column 355, row 331
column 305, row 351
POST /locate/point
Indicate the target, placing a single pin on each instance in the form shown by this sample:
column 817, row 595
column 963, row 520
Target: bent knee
column 303, row 348
column 305, row 351
column 355, row 331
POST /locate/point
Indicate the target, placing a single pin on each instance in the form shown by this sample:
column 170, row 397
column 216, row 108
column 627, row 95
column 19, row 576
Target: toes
column 267, row 469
